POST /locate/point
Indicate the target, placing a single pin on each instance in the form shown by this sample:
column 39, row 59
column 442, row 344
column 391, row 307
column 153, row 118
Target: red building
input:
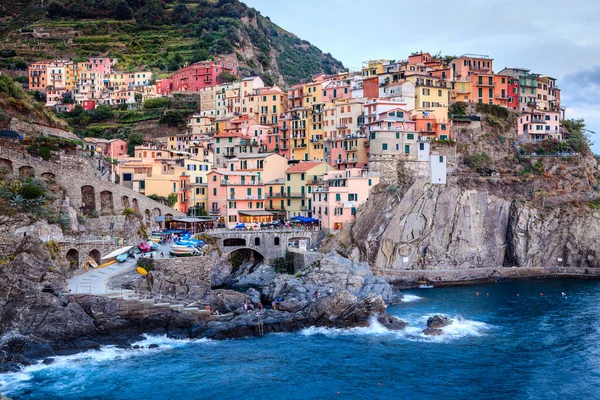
column 371, row 87
column 88, row 105
column 196, row 76
column 513, row 93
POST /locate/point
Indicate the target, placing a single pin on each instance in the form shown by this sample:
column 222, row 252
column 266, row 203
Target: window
column 370, row 182
column 288, row 177
column 384, row 146
column 301, row 176
column 338, row 197
column 276, row 241
column 214, row 191
column 422, row 146
column 441, row 159
column 410, row 136
column 480, row 92
column 491, row 93
column 127, row 177
column 406, row 148
column 397, row 135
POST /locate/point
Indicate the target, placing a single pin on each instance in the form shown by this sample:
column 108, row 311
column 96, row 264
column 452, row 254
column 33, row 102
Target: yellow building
column 298, row 137
column 316, row 132
column 461, row 91
column 271, row 103
column 297, row 193
column 430, row 92
column 373, row 67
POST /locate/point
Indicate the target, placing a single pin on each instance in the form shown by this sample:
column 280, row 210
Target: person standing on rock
column 259, row 306
column 329, row 292
column 274, row 305
column 317, row 294
column 245, row 305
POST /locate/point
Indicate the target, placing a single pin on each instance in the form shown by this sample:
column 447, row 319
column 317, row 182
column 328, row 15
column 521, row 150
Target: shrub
column 158, row 102
column 94, row 214
column 129, row 213
column 480, row 161
column 31, row 191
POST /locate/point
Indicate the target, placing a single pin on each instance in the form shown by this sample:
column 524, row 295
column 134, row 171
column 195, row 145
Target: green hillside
column 159, row 35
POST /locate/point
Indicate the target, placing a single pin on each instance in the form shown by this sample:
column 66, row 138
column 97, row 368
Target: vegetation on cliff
column 164, row 35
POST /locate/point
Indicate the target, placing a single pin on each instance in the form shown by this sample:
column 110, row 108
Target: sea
column 516, row 340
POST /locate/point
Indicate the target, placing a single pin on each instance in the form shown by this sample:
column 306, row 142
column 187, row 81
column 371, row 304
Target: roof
column 304, row 166
column 256, row 213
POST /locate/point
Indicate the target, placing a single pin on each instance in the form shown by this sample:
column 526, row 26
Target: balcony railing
column 300, row 146
column 289, row 195
column 225, row 182
column 241, row 197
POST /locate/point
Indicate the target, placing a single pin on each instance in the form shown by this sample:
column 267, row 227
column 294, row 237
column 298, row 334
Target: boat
column 141, row 271
column 184, row 251
column 425, row 286
column 145, row 247
column 153, row 245
column 122, row 257
column 155, row 238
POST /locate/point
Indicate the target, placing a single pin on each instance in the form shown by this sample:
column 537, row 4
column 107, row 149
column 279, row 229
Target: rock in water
column 435, row 325
column 392, row 323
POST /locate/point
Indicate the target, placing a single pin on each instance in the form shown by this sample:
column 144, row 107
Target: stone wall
column 304, row 259
column 36, row 130
column 178, row 278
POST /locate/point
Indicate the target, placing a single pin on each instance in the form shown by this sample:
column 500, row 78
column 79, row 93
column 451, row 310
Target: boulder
column 392, row 323
column 226, row 301
column 254, row 295
column 247, row 276
column 435, row 325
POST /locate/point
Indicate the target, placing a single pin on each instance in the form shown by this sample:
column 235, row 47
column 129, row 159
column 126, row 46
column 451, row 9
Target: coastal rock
column 226, row 301
column 435, row 325
column 392, row 323
column 343, row 310
column 254, row 295
column 331, row 273
column 247, row 276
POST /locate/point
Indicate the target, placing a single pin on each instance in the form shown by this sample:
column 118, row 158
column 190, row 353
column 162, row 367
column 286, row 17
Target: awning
column 117, row 252
column 256, row 213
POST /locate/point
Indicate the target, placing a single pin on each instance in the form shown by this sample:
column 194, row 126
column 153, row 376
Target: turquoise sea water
column 502, row 346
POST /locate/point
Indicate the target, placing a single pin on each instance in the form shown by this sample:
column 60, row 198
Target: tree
column 55, row 10
column 122, row 11
column 135, row 139
column 227, row 77
column 102, row 113
column 577, row 139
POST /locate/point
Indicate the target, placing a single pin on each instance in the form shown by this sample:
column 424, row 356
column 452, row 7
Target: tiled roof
column 303, row 166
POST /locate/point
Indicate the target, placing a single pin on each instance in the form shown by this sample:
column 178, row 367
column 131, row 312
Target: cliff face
column 439, row 228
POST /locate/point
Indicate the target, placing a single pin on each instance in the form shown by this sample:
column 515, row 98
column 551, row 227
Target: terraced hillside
column 162, row 35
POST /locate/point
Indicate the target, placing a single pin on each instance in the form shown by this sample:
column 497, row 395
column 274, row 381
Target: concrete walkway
column 94, row 281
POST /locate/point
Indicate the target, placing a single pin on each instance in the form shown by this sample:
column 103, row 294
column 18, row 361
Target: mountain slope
column 161, row 35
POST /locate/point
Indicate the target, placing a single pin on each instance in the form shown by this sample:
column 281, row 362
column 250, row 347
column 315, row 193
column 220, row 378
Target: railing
column 225, row 182
column 286, row 195
column 237, row 197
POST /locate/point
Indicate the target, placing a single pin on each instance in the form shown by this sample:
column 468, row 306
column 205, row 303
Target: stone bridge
column 87, row 192
column 270, row 244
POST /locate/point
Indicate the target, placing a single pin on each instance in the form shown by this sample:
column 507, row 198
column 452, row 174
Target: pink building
column 237, row 197
column 337, row 199
column 196, row 76
column 115, row 148
column 467, row 64
column 99, row 65
column 539, row 125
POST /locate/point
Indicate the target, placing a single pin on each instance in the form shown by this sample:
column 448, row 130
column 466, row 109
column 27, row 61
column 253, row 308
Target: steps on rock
column 177, row 307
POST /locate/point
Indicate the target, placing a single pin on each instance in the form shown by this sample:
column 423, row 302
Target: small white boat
column 425, row 286
column 184, row 251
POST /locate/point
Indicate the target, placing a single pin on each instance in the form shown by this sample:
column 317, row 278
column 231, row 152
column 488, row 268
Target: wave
column 460, row 328
column 12, row 381
column 409, row 298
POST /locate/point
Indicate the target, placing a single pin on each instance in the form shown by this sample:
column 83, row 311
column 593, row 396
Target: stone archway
column 95, row 255
column 26, row 171
column 157, row 213
column 241, row 256
column 125, row 201
column 88, row 199
column 72, row 257
column 147, row 216
column 7, row 165
column 49, row 177
column 257, row 241
column 135, row 205
column 106, row 203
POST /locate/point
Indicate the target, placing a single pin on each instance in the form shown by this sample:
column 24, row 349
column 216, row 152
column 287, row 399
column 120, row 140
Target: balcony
column 501, row 97
column 485, row 84
column 538, row 120
column 229, row 155
column 286, row 195
column 240, row 197
column 341, row 126
column 463, row 91
column 225, row 182
column 300, row 146
column 367, row 144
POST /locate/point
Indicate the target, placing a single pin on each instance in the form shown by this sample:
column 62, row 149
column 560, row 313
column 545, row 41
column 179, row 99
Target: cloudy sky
column 551, row 37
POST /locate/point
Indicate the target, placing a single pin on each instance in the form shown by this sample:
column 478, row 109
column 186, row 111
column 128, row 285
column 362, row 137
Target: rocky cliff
column 526, row 207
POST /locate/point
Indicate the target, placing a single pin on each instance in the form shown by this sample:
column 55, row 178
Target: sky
column 551, row 37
